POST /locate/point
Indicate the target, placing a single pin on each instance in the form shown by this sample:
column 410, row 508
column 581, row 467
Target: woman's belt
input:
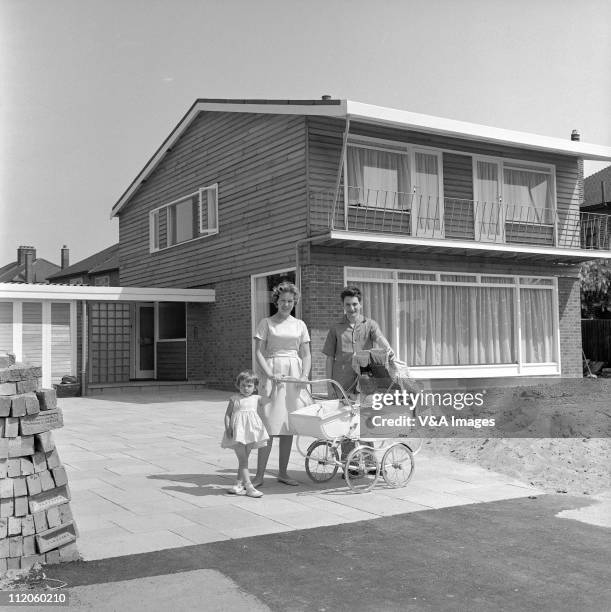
column 286, row 353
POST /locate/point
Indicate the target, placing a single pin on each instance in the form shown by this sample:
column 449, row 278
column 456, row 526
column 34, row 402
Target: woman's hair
column 351, row 291
column 246, row 376
column 285, row 287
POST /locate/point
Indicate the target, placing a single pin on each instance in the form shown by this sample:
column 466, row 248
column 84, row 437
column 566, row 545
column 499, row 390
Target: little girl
column 244, row 430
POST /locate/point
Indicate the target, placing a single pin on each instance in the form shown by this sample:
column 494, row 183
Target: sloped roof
column 42, row 269
column 592, row 190
column 100, row 260
column 369, row 113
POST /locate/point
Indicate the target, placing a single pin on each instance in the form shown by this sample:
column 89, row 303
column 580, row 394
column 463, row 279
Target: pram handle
column 312, row 382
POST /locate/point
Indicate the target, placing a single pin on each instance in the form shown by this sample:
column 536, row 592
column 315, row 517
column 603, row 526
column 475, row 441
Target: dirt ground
column 572, row 458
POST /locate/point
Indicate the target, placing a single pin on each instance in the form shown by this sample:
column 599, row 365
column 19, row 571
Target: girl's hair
column 246, row 376
column 285, row 287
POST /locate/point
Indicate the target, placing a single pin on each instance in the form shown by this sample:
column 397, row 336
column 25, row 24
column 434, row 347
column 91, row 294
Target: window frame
column 155, row 213
column 521, row 368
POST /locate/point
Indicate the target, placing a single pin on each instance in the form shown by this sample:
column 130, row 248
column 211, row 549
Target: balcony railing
column 409, row 214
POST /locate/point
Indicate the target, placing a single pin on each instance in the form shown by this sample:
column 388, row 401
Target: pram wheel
column 361, row 470
column 397, row 465
column 322, row 461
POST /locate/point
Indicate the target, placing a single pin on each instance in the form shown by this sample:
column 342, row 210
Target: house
column 27, row 268
column 99, row 270
column 465, row 239
column 597, row 192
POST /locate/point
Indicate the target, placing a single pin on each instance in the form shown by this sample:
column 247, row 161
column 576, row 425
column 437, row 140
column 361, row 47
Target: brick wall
column 570, row 327
column 225, row 343
column 196, row 325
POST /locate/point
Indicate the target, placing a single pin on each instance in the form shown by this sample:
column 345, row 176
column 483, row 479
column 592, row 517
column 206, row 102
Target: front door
column 145, row 341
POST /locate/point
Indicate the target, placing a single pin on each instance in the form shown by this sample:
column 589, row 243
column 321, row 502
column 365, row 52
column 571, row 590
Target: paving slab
column 144, row 464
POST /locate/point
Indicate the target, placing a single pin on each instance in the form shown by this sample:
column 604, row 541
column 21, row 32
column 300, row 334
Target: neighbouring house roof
column 31, row 291
column 369, row 113
column 107, row 259
column 593, row 189
column 42, row 269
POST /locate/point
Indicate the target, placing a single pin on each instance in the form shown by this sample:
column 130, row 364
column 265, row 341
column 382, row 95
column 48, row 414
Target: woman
column 282, row 348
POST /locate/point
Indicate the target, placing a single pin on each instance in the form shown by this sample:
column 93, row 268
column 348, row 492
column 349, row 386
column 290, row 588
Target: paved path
column 147, row 473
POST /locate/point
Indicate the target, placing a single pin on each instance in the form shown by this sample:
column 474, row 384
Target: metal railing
column 411, row 214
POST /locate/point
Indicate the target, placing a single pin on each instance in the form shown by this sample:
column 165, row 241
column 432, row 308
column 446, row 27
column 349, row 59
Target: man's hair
column 351, row 291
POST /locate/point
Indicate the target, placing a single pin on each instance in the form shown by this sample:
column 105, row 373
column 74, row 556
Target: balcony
column 459, row 220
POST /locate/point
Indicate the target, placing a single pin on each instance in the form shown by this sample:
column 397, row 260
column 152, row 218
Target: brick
column 29, row 545
column 39, row 460
column 20, row 371
column 3, row 566
column 5, row 405
column 17, row 405
column 32, row 405
column 13, row 563
column 47, row 399
column 69, row 552
column 14, row 526
column 46, row 480
column 6, row 488
column 7, row 507
column 11, row 427
column 3, row 527
column 27, row 467
column 15, row 545
column 4, row 548
column 65, row 513
column 40, row 521
column 8, row 388
column 21, row 506
column 53, row 517
column 27, row 525
column 44, row 441
column 59, row 476
column 53, row 459
column 34, row 485
column 26, row 563
column 21, row 446
column 3, row 448
column 47, row 499
column 4, row 466
column 56, row 537
column 23, row 386
column 52, row 557
column 41, row 422
column 14, row 468
column 20, row 487
column 5, row 362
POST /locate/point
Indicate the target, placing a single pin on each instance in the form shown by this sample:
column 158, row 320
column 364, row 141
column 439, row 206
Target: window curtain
column 449, row 325
column 489, row 218
column 378, row 178
column 427, row 205
column 536, row 311
column 378, row 305
column 527, row 196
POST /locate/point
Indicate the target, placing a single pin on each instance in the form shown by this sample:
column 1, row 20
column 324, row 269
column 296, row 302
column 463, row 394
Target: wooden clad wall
column 259, row 163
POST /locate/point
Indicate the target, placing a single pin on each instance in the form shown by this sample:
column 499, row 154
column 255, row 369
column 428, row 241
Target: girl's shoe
column 250, row 491
column 237, row 489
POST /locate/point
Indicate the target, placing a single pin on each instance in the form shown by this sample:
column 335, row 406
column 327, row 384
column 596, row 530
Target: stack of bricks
column 36, row 524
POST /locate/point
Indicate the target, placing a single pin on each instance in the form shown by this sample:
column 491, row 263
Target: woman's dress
column 280, row 342
column 246, row 424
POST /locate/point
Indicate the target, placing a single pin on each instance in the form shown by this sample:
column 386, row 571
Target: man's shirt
column 343, row 340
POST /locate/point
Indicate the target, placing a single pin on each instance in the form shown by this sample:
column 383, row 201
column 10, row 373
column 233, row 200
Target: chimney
column 326, row 97
column 29, row 272
column 22, row 250
column 576, row 136
column 65, row 257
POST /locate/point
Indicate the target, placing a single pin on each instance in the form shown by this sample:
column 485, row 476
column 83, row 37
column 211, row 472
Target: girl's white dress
column 247, row 426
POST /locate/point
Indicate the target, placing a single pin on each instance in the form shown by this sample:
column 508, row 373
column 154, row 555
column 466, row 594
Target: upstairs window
column 192, row 217
column 377, row 178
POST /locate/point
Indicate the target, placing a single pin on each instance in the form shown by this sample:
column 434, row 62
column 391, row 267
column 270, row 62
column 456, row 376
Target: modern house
column 597, row 192
column 465, row 239
column 28, row 268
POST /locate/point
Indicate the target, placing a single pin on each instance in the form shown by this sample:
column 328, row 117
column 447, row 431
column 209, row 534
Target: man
column 353, row 333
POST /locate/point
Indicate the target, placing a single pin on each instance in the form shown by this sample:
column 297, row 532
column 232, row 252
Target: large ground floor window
column 454, row 322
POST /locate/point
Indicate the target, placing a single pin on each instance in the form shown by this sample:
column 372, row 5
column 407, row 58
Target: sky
column 90, row 88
